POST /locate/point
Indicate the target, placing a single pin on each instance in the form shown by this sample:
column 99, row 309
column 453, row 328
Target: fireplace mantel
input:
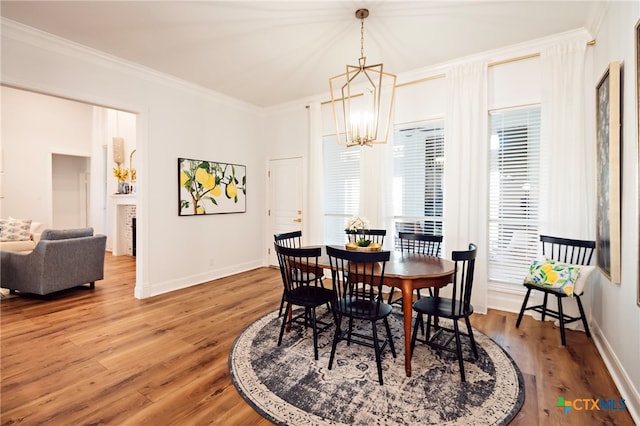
column 121, row 226
column 124, row 199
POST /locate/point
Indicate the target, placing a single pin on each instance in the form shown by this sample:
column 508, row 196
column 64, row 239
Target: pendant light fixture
column 362, row 99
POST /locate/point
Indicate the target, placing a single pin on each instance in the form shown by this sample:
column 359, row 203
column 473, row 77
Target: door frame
column 270, row 189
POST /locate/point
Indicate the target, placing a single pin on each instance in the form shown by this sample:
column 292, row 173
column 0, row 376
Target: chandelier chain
column 362, row 37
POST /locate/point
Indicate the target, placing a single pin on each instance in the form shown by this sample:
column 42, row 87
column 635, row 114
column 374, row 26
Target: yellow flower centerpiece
column 121, row 175
column 357, row 226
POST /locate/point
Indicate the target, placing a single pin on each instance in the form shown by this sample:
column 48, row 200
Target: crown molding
column 51, row 43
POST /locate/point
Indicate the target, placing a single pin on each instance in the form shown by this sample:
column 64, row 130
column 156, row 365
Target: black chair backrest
column 298, row 266
column 566, row 250
column 289, row 239
column 375, row 235
column 420, row 243
column 357, row 277
column 463, row 279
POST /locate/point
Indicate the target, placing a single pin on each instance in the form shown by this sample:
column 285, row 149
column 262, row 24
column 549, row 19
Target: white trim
column 51, row 43
column 509, row 298
column 618, row 374
column 149, row 289
column 504, row 297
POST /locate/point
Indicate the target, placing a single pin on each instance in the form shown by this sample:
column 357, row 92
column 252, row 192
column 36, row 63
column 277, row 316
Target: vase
column 123, row 187
column 371, row 247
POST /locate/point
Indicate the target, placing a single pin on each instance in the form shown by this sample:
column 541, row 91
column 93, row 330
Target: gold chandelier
column 362, row 99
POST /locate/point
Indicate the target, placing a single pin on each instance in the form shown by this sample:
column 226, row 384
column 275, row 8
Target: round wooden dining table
column 408, row 272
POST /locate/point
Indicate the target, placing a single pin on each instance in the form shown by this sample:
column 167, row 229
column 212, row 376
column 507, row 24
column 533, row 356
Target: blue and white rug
column 287, row 386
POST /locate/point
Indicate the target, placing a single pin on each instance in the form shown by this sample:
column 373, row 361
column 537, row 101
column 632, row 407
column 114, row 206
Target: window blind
column 513, row 193
column 418, row 181
column 341, row 188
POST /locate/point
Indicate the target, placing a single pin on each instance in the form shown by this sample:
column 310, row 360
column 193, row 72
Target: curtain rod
column 422, row 80
column 491, row 64
column 532, row 55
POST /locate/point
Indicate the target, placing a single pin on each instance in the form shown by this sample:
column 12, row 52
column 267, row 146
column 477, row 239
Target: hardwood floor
column 104, row 357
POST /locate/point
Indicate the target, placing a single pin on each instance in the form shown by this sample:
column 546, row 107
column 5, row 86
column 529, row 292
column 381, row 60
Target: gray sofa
column 62, row 259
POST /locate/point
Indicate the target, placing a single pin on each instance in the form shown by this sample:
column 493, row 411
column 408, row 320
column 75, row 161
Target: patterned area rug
column 287, row 386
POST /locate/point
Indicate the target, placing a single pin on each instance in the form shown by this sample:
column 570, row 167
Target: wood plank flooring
column 104, row 357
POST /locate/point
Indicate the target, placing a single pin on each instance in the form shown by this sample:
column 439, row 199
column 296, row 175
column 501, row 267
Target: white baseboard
column 628, row 390
column 509, row 299
column 155, row 289
column 505, row 298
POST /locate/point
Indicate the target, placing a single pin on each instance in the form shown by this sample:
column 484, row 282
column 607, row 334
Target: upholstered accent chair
column 62, row 259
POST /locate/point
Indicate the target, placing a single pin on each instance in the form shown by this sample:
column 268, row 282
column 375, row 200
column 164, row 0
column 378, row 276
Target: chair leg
column 561, row 319
column 336, row 336
column 459, row 349
column 349, row 331
column 315, row 333
column 473, row 340
column 416, row 325
column 523, row 308
column 420, row 297
column 284, row 323
column 584, row 318
column 544, row 306
column 376, row 348
column 281, row 305
column 391, row 345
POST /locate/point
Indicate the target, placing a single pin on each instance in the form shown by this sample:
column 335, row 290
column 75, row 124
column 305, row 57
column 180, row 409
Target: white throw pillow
column 584, row 275
column 15, row 229
column 37, row 227
column 586, row 271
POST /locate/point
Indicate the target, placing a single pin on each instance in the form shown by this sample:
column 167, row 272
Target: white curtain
column 466, row 169
column 567, row 185
column 376, row 178
column 567, row 169
column 315, row 216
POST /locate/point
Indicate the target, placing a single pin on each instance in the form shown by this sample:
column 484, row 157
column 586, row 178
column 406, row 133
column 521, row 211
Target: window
column 341, row 188
column 418, row 179
column 514, row 193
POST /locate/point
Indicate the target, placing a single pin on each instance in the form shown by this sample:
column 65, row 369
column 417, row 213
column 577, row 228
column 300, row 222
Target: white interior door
column 69, row 190
column 285, row 199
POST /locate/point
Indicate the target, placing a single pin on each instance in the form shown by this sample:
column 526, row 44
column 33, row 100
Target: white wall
column 174, row 119
column 615, row 312
column 286, row 135
column 37, row 128
column 33, row 129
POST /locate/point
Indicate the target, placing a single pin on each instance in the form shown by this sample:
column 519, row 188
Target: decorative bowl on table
column 353, row 246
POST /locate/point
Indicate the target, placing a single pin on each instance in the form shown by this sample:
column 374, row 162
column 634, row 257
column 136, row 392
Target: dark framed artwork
column 210, row 187
column 608, row 172
column 637, row 37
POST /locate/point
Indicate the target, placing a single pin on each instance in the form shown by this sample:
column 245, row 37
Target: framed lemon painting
column 210, row 187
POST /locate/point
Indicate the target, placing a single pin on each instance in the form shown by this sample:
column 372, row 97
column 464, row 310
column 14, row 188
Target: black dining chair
column 426, row 244
column 297, row 266
column 291, row 240
column 420, row 243
column 374, row 235
column 455, row 308
column 357, row 277
column 566, row 250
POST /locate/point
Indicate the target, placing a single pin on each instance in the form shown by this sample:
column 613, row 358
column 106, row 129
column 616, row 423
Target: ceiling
column 271, row 52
